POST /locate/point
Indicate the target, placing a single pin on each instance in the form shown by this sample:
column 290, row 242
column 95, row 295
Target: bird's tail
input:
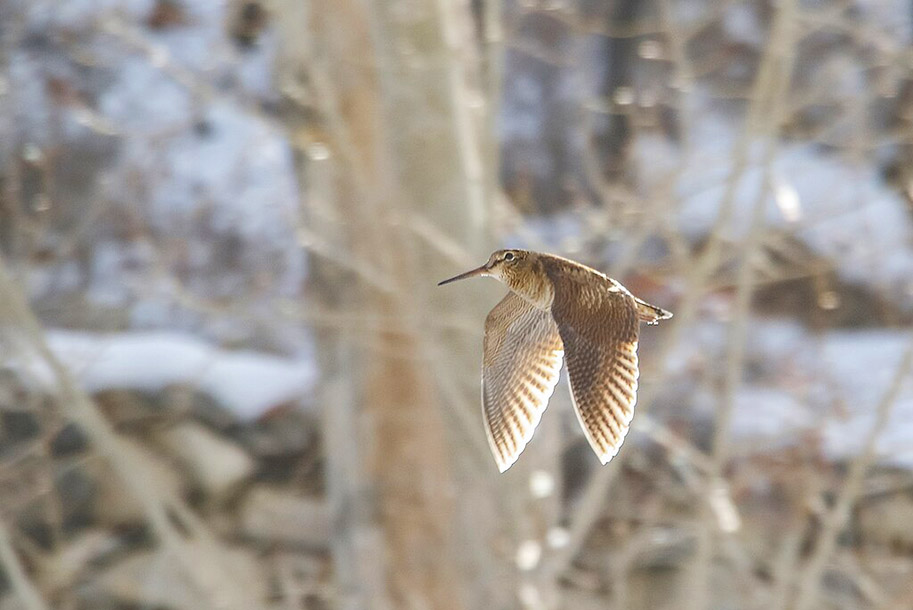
column 651, row 314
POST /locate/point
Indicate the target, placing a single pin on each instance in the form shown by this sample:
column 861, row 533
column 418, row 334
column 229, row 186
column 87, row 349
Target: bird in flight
column 556, row 309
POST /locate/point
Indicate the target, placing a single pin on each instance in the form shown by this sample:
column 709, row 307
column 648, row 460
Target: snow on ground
column 247, row 383
column 764, row 418
column 841, row 211
column 193, row 187
column 798, row 384
column 861, row 366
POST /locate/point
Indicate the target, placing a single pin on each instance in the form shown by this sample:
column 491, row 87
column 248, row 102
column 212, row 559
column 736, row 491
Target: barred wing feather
column 522, row 361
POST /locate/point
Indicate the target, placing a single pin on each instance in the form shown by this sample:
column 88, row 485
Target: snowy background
column 220, row 226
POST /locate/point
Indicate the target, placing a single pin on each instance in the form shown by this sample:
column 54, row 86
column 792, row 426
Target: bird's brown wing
column 522, row 360
column 598, row 325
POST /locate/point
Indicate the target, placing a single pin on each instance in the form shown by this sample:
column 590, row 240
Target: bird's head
column 509, row 266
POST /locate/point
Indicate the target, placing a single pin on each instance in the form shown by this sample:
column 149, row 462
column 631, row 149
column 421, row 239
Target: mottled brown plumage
column 558, row 308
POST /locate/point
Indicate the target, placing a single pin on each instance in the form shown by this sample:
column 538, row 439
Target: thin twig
column 216, row 584
column 835, row 520
column 770, row 87
column 19, row 580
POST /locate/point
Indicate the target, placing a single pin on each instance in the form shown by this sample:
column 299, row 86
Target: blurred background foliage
column 227, row 379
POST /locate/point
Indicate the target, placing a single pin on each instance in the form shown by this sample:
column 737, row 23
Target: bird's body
column 558, row 309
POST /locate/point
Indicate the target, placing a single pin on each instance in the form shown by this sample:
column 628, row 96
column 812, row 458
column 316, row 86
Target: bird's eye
column 509, row 256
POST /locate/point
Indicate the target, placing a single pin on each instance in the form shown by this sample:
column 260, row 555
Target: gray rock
column 184, row 399
column 216, row 464
column 286, row 431
column 278, row 517
column 114, row 503
column 60, row 570
column 159, row 580
column 886, row 521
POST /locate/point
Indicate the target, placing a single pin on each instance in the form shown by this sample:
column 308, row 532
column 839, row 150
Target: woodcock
column 556, row 309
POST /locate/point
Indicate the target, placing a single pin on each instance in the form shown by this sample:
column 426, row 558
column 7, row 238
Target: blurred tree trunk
column 392, row 160
column 613, row 135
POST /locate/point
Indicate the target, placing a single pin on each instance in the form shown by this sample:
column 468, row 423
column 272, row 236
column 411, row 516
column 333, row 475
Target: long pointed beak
column 483, row 270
